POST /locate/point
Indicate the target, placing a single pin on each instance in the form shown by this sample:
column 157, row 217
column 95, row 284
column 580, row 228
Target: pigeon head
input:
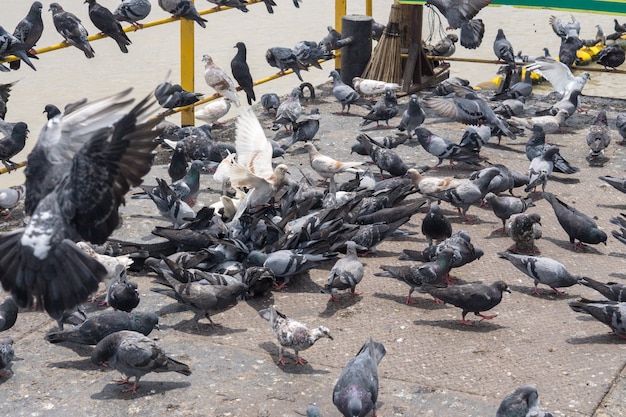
column 55, row 8
column 501, row 286
column 334, row 75
column 322, row 331
column 596, row 236
column 206, row 58
column 355, row 406
column 422, row 133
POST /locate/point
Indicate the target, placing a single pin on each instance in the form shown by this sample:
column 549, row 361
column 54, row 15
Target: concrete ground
column 435, row 366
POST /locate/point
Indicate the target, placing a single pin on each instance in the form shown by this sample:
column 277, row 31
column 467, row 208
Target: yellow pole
column 341, row 8
column 368, row 8
column 187, row 80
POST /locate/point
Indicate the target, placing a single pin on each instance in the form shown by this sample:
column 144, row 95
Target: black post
column 355, row 55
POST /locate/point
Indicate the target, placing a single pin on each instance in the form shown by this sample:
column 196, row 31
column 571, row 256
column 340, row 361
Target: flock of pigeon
column 268, row 228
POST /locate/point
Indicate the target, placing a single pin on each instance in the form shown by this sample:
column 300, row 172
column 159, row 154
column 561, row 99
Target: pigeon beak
column 156, row 326
column 508, row 290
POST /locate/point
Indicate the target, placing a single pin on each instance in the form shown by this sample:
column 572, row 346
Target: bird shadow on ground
column 546, row 294
column 617, row 275
column 290, row 367
column 565, row 244
column 477, row 326
column 381, row 128
column 597, row 339
column 81, row 365
column 345, row 300
column 496, row 234
column 613, row 206
column 81, row 350
column 503, row 147
column 113, row 391
column 420, row 302
column 564, row 180
column 189, row 327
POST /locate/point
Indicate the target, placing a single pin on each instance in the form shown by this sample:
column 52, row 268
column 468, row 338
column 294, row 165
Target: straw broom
column 386, row 62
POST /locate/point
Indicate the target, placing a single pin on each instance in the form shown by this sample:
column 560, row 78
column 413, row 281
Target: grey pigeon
column 187, row 188
column 313, row 411
column 503, row 49
column 564, row 29
column 569, row 104
column 178, row 166
column 621, row 222
column 444, row 48
column 284, row 59
column 436, row 226
column 559, row 75
column 541, row 168
column 12, row 145
column 356, row 390
column 241, row 71
column 5, row 92
column 171, row 95
column 523, row 402
column 6, row 355
column 613, row 291
column 385, row 159
column 384, row 109
column 70, row 27
column 134, row 354
column 332, row 40
column 543, row 270
column 29, row 30
column 345, row 274
column 292, row 334
column 288, row 112
column 10, row 45
column 510, row 107
column 270, row 101
column 103, row 19
column 97, row 327
column 612, row 56
column 475, row 137
column 237, row 4
column 521, row 89
column 184, row 9
column 506, row 206
column 123, row 294
column 269, row 5
column 82, row 206
column 444, row 148
column 346, row 95
column 389, row 142
column 524, row 229
column 568, row 49
column 502, row 182
column 611, row 313
column 535, row 147
column 287, row 263
column 309, row 53
column 576, row 224
column 598, row 136
column 460, row 14
column 470, row 298
column 8, row 313
column 446, row 86
column 620, row 125
column 170, row 205
column 132, row 11
column 617, row 183
column 412, row 117
column 304, row 128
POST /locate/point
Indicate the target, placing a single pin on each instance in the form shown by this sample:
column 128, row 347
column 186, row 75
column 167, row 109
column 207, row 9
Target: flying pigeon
column 524, row 401
column 565, row 29
column 12, row 145
column 134, row 354
column 610, row 313
column 506, row 206
column 346, row 95
column 524, row 229
column 372, row 87
column 443, row 148
column 460, row 14
column 412, row 117
column 217, row 79
column 8, row 313
column 103, row 19
column 613, row 291
column 292, row 334
column 384, row 109
column 598, row 136
column 436, row 226
column 5, row 92
column 6, row 355
column 71, row 28
column 184, row 9
column 132, row 11
column 345, row 274
column 543, row 270
column 241, row 71
column 284, row 59
column 559, row 75
column 28, row 31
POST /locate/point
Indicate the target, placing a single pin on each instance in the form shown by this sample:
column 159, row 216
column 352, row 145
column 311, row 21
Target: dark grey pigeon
column 270, row 101
column 446, row 86
column 612, row 56
column 96, row 327
column 613, row 291
column 436, row 226
column 10, row 45
column 345, row 274
column 356, row 391
column 475, row 137
column 460, row 14
column 522, row 402
column 6, row 355
column 184, row 9
column 260, row 281
column 621, row 222
column 444, row 148
column 346, row 95
column 132, row 11
column 8, row 313
column 269, row 5
column 70, row 27
column 543, row 270
column 313, row 411
column 5, row 93
column 237, row 4
column 412, row 117
column 536, row 146
column 123, row 294
column 29, row 30
column 389, row 142
column 568, row 49
column 620, row 125
column 241, row 71
column 134, row 354
column 187, row 188
column 598, row 136
column 471, row 298
column 284, row 59
column 611, row 313
column 309, row 53
column 178, row 166
column 503, row 49
column 41, row 264
column 385, row 159
column 519, row 90
column 12, row 145
column 445, row 47
column 524, row 229
column 502, row 182
column 171, row 95
column 617, row 183
column 506, row 206
column 384, row 109
column 541, row 168
column 304, row 128
column 577, row 225
column 333, row 40
column 103, row 19
column 289, row 111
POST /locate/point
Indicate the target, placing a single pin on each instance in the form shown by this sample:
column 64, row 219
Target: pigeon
column 463, row 251
column 5, row 92
column 612, row 56
column 385, row 159
column 134, row 354
column 103, row 19
column 187, row 188
column 241, row 72
column 122, row 294
column 504, row 181
column 70, row 27
column 309, row 53
column 443, row 148
column 565, row 29
column 313, row 411
column 598, row 136
column 447, row 86
column 10, row 45
column 286, row 263
column 237, row 4
column 541, row 168
column 460, row 14
column 467, row 107
column 617, row 183
column 610, row 313
column 217, row 79
column 519, row 90
column 436, row 226
column 28, row 31
column 304, row 128
column 345, row 274
column 97, row 327
column 473, row 298
column 270, row 101
column 356, row 390
column 506, row 206
column 6, row 355
column 284, row 59
column 384, row 109
column 269, row 5
column 8, row 313
column 212, row 111
column 535, row 147
column 577, row 225
column 427, row 185
column 618, row 27
column 412, row 117
column 444, row 48
column 613, row 291
column 132, row 11
column 12, row 145
column 549, row 123
column 559, row 75
column 289, row 111
column 82, row 206
column 327, row 167
column 171, row 95
column 292, row 334
column 184, row 9
column 333, row 40
column 503, row 49
column 524, row 401
column 372, row 87
column 524, row 229
column 621, row 222
column 346, row 95
column 568, row 49
column 620, row 125
column 170, row 205
column 543, row 270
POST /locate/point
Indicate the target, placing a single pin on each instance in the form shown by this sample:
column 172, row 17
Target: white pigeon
column 559, row 75
column 372, row 87
column 212, row 111
column 219, row 80
column 327, row 167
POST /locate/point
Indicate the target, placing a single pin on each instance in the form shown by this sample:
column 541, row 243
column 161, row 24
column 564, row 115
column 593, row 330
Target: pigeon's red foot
column 355, row 293
column 333, row 299
column 467, row 322
column 410, row 300
column 300, row 361
column 484, row 317
column 281, row 361
column 122, row 381
column 280, row 286
column 536, row 291
column 132, row 389
column 557, row 292
column 438, row 301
